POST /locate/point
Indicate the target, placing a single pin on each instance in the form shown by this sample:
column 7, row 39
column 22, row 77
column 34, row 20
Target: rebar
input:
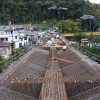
column 50, row 75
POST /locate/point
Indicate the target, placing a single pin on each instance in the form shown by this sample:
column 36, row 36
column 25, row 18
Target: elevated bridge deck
column 87, row 33
column 54, row 74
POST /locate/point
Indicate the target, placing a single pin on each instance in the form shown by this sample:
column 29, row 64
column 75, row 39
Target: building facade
column 5, row 49
column 18, row 37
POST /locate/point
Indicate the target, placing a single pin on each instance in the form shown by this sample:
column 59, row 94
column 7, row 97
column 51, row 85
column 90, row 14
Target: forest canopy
column 33, row 11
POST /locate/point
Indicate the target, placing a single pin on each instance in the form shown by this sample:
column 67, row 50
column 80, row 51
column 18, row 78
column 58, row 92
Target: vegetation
column 13, row 57
column 92, row 53
column 68, row 26
column 1, row 59
column 90, row 24
column 93, row 39
column 78, row 36
column 97, row 40
column 33, row 11
column 41, row 26
column 92, row 50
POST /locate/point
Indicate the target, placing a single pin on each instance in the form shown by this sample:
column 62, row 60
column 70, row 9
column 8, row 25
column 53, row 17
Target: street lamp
column 61, row 9
column 58, row 9
column 88, row 17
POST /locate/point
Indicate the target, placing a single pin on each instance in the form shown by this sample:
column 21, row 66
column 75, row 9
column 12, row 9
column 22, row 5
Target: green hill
column 33, row 11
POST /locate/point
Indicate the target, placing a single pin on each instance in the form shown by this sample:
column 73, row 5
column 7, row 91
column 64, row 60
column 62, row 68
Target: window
column 6, row 39
column 20, row 44
column 25, row 38
column 21, row 39
column 15, row 37
column 2, row 39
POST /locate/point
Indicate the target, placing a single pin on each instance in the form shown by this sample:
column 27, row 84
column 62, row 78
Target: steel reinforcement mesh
column 25, row 81
column 81, row 80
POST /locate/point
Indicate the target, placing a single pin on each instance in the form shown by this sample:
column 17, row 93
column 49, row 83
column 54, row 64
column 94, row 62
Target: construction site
column 52, row 73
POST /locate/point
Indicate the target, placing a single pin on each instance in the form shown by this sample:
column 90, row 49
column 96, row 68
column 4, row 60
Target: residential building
column 5, row 49
column 18, row 37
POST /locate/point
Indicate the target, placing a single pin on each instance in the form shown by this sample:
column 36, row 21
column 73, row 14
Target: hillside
column 26, row 11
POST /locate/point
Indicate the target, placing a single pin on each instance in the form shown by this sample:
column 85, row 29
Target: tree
column 78, row 36
column 97, row 40
column 23, row 11
column 85, row 24
column 66, row 26
column 91, row 39
column 51, row 22
column 1, row 58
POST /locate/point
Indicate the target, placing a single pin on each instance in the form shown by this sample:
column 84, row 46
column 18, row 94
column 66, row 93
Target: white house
column 18, row 37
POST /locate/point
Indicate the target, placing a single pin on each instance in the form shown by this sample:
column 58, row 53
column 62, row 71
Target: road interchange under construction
column 52, row 74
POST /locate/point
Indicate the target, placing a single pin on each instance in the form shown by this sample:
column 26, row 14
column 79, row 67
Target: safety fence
column 13, row 58
column 92, row 56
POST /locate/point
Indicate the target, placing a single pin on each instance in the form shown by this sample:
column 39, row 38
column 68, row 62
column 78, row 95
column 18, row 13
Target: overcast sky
column 95, row 1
